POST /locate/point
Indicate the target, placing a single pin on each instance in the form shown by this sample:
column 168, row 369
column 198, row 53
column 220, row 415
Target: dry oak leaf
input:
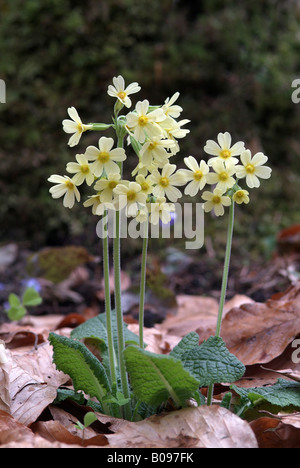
column 273, row 433
column 201, row 427
column 31, row 382
column 258, row 333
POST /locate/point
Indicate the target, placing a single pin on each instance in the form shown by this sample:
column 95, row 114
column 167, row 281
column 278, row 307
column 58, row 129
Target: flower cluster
column 153, row 133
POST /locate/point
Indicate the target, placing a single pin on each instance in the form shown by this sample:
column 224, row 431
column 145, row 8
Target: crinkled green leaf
column 284, row 393
column 188, row 343
column 86, row 371
column 211, row 363
column 155, row 377
column 96, row 328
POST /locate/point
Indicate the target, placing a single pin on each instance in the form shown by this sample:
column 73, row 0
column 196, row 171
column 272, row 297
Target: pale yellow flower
column 81, row 169
column 241, row 196
column 120, row 92
column 144, row 124
column 97, row 206
column 223, row 150
column 155, row 150
column 161, row 210
column 215, row 201
column 170, row 109
column 145, row 183
column 65, row 187
column 106, row 186
column 222, row 175
column 74, row 126
column 166, row 182
column 104, row 157
column 131, row 196
column 173, row 129
column 196, row 176
column 253, row 168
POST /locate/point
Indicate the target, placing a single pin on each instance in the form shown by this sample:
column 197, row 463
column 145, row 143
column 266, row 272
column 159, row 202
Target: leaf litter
column 259, row 334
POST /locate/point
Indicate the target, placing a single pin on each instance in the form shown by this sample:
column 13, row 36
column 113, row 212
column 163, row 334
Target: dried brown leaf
column 201, row 427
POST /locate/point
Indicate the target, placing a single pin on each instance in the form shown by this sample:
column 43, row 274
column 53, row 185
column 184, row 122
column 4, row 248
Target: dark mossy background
column 233, row 63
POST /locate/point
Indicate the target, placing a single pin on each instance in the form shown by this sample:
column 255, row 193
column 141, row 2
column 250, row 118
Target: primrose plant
column 129, row 381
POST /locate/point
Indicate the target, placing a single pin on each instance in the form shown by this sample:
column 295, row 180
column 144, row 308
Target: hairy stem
column 224, row 285
column 143, row 285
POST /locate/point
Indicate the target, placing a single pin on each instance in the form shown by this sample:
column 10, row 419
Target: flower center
column 131, row 195
column 223, row 176
column 225, row 154
column 112, row 184
column 164, row 181
column 216, row 199
column 250, row 168
column 103, row 156
column 144, row 186
column 239, row 194
column 143, row 120
column 85, row 168
column 152, row 146
column 69, row 185
column 198, row 175
column 122, row 95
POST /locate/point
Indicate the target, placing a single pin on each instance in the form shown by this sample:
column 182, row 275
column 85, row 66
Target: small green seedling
column 88, row 419
column 18, row 306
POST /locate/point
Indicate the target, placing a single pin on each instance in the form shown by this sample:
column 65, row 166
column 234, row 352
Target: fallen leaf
column 258, row 333
column 273, row 433
column 201, row 427
column 33, row 382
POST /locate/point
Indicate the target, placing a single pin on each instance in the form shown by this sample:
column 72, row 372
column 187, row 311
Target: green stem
column 143, row 285
column 224, row 285
column 118, row 306
column 111, row 352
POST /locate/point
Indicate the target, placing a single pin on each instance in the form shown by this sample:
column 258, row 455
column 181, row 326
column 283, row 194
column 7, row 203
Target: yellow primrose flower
column 253, row 168
column 81, row 169
column 143, row 124
column 155, row 150
column 161, row 210
column 223, row 150
column 106, row 186
column 104, row 157
column 145, row 183
column 142, row 215
column 120, row 92
column 65, row 188
column 166, row 182
column 222, row 175
column 241, row 196
column 95, row 202
column 172, row 128
column 196, row 176
column 215, row 201
column 131, row 196
column 170, row 109
column 74, row 126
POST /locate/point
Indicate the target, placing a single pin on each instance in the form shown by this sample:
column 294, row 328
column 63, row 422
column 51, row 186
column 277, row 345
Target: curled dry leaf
column 202, row 427
column 274, row 433
column 31, row 383
column 258, row 333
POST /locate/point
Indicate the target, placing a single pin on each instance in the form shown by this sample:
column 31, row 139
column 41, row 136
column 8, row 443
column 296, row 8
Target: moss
column 57, row 263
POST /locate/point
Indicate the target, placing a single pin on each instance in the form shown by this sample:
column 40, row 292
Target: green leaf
column 283, row 394
column 14, row 300
column 211, row 363
column 96, row 328
column 188, row 342
column 86, row 371
column 31, row 297
column 155, row 377
column 89, row 418
column 16, row 312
